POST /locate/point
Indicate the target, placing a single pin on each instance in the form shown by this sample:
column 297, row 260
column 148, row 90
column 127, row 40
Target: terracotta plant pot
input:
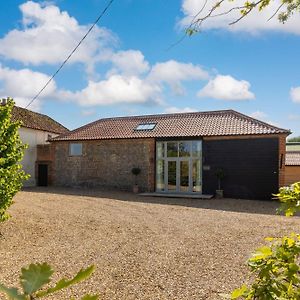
column 219, row 194
column 135, row 188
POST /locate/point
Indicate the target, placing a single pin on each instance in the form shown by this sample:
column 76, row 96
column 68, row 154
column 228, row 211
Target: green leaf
column 12, row 293
column 293, row 267
column 33, row 278
column 90, row 297
column 261, row 253
column 237, row 293
column 64, row 283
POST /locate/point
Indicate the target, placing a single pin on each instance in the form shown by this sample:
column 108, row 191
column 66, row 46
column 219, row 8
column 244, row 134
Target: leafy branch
column 277, row 265
column 290, row 6
column 34, row 278
column 277, row 271
column 289, row 196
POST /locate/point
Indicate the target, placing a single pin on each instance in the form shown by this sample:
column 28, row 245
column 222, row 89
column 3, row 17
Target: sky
column 136, row 61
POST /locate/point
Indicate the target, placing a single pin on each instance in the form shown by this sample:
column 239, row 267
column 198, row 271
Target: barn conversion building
column 177, row 153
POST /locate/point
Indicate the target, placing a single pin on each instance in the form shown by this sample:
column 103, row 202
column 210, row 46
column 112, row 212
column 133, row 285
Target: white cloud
column 48, row 35
column 295, row 94
column 131, row 85
column 130, row 62
column 173, row 110
column 88, row 112
column 255, row 22
column 273, row 123
column 116, row 89
column 173, row 73
column 225, row 87
column 24, row 84
column 258, row 115
column 120, row 86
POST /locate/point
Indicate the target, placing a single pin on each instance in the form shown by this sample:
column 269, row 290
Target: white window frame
column 71, row 153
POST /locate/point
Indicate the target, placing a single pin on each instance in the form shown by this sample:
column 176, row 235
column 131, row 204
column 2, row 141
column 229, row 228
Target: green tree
column 283, row 12
column 11, row 153
column 294, row 139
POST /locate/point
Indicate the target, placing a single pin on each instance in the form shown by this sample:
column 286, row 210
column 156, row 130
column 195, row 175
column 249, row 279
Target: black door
column 42, row 175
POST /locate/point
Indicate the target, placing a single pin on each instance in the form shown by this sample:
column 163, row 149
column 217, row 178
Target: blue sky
column 127, row 67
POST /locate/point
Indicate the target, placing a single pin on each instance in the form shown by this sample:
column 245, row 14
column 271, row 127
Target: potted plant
column 220, row 175
column 135, row 171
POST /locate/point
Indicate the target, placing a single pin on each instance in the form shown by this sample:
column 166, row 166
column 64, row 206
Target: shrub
column 289, row 196
column 277, row 271
column 135, row 171
column 11, row 153
column 276, row 266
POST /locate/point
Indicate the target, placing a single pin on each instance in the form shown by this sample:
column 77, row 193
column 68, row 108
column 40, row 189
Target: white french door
column 178, row 166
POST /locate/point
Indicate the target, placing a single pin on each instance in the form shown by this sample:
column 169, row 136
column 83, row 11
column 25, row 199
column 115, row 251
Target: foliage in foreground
column 11, row 153
column 277, row 265
column 36, row 276
column 289, row 196
column 277, row 271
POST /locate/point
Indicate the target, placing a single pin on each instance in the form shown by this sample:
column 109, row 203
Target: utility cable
column 70, row 55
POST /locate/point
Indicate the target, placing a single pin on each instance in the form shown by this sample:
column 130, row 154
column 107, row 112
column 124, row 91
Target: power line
column 72, row 52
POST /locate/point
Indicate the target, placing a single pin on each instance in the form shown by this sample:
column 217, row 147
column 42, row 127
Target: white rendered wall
column 32, row 138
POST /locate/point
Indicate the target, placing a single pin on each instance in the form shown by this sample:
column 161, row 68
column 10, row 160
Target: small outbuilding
column 35, row 131
column 177, row 153
column 292, row 163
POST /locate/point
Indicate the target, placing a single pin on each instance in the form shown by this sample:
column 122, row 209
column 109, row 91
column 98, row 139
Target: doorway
column 178, row 166
column 42, row 175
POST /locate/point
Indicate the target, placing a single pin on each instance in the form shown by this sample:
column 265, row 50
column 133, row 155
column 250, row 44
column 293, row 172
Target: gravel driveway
column 143, row 247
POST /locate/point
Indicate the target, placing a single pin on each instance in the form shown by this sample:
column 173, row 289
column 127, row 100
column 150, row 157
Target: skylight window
column 145, row 126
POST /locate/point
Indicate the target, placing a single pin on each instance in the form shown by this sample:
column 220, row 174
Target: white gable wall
column 32, row 138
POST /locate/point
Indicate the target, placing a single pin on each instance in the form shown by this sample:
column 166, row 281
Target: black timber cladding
column 250, row 166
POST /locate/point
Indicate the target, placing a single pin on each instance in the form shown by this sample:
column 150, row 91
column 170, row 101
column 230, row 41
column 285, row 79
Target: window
column 75, row 149
column 184, row 149
column 196, row 148
column 172, row 149
column 145, row 126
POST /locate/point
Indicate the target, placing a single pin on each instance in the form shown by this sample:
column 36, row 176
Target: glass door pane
column 172, row 176
column 184, row 149
column 184, row 176
column 172, row 149
column 160, row 175
column 196, row 176
column 196, row 148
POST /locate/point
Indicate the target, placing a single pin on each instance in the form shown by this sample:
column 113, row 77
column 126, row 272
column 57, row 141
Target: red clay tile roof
column 215, row 123
column 292, row 158
column 37, row 121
